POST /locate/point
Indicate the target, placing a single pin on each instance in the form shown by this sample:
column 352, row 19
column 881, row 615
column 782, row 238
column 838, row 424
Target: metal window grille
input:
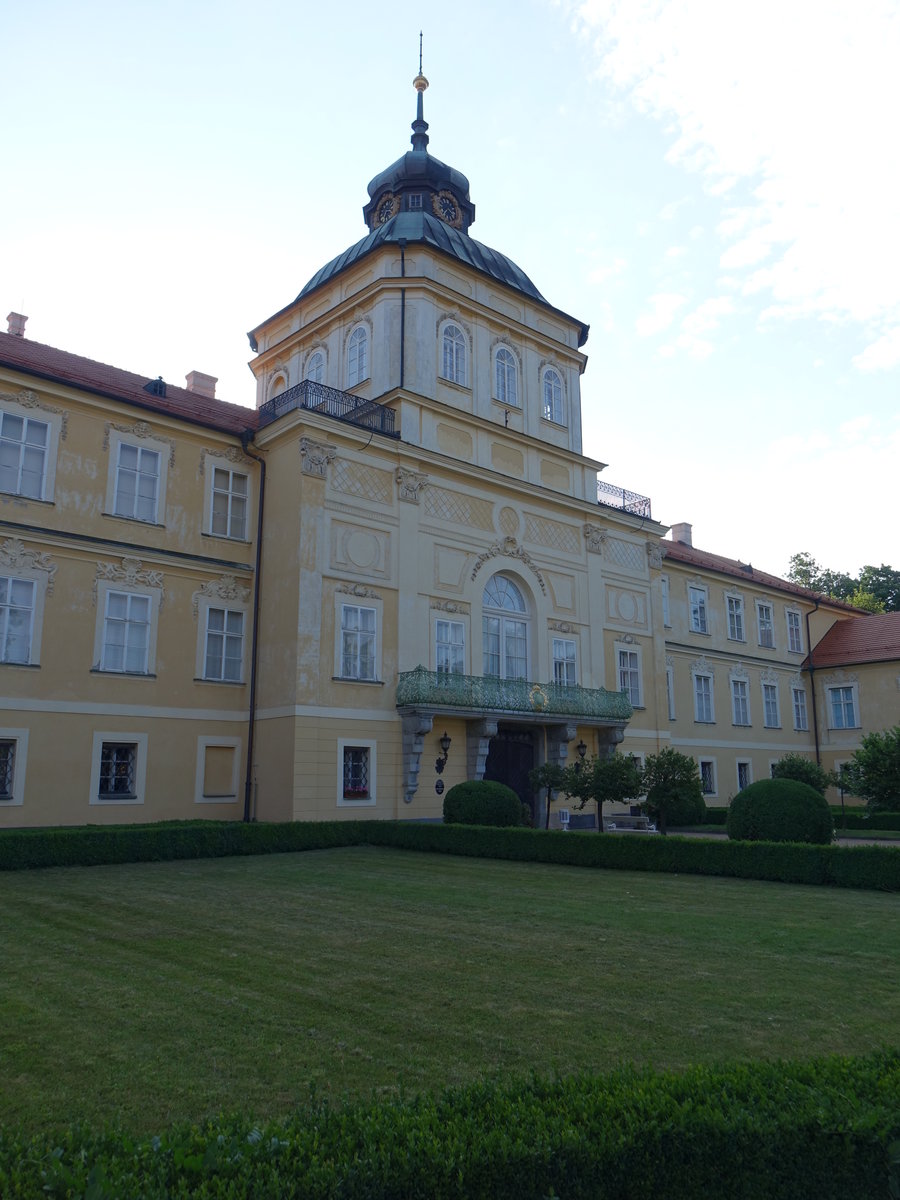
column 7, row 768
column 356, row 772
column 118, row 765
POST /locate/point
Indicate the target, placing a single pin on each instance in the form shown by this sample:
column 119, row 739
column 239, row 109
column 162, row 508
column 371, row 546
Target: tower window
column 453, row 354
column 552, row 392
column 415, row 200
column 358, row 356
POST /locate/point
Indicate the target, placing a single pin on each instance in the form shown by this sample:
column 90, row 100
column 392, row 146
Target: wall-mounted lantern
column 440, row 763
column 581, row 750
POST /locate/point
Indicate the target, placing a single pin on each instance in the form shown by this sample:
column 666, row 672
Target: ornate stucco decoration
column 627, row 638
column 15, row 556
column 595, row 537
column 232, row 454
column 226, row 587
column 510, row 548
column 140, row 429
column 767, row 675
column 504, row 342
column 316, row 456
column 797, row 681
column 839, row 678
column 132, row 573
column 670, row 661
column 450, row 606
column 29, row 399
column 358, row 590
column 739, row 671
column 552, row 365
column 359, row 317
column 409, row 484
column 702, row 666
column 561, row 626
column 453, row 317
column 654, row 555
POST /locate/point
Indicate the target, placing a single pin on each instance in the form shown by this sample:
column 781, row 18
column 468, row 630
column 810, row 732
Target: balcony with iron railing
column 484, row 694
column 621, row 498
column 342, row 406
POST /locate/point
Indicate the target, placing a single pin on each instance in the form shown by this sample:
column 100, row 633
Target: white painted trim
column 364, row 744
column 20, row 737
column 140, row 771
column 203, row 743
column 92, row 709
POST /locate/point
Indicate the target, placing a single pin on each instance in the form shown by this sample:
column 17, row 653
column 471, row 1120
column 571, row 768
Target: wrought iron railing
column 344, row 406
column 485, row 693
column 616, row 497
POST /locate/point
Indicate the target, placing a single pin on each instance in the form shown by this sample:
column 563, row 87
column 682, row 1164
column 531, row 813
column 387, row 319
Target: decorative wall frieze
column 839, row 678
column 225, row 588
column 140, row 429
column 797, row 681
column 670, row 662
column 654, row 555
column 455, row 317
column 767, row 675
column 628, row 638
column 131, row 573
column 739, row 671
column 451, row 606
column 510, row 548
column 595, row 537
column 702, row 666
column 409, row 484
column 553, row 365
column 562, row 626
column 358, row 590
column 232, row 454
column 316, row 456
column 29, row 399
column 15, row 556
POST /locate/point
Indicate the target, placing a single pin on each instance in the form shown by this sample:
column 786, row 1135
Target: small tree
column 804, row 770
column 874, row 770
column 609, row 780
column 550, row 776
column 674, row 791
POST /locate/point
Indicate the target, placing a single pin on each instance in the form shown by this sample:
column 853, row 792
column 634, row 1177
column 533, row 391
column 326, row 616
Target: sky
column 713, row 187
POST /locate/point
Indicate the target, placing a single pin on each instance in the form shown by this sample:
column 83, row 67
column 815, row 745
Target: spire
column 419, row 138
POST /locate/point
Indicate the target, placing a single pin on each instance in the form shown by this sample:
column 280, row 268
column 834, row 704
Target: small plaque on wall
column 439, row 787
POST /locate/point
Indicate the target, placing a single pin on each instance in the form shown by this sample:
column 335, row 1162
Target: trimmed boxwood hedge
column 863, row 819
column 780, row 810
column 482, row 802
column 819, row 1130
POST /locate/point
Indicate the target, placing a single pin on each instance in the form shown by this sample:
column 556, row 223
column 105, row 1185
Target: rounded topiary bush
column 780, row 810
column 482, row 802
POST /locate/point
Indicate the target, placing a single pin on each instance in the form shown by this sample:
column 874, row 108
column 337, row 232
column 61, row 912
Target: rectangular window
column 703, row 698
column 118, row 771
column 708, row 776
column 219, row 772
column 670, row 691
column 357, row 642
column 16, row 619
column 224, row 645
column 664, row 584
column 415, row 200
column 843, row 708
column 7, row 769
column 137, row 483
column 697, row 600
column 735, row 619
column 766, row 624
column 795, row 636
column 126, row 633
column 798, row 697
column 450, row 647
column 356, row 773
column 564, row 662
column 744, row 777
column 23, row 455
column 630, row 676
column 771, row 717
column 740, row 702
column 229, row 503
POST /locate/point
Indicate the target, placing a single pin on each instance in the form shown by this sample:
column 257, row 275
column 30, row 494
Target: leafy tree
column 804, row 770
column 867, row 600
column 551, row 776
column 874, row 770
column 877, row 589
column 884, row 584
column 609, row 780
column 674, row 791
column 805, row 571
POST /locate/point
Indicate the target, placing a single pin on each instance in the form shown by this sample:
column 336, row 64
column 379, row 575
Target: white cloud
column 663, row 307
column 607, row 270
column 696, row 326
column 882, row 354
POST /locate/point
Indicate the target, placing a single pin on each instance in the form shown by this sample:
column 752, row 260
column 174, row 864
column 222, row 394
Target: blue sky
column 713, row 187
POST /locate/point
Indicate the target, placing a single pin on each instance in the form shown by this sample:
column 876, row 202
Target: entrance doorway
column 510, row 758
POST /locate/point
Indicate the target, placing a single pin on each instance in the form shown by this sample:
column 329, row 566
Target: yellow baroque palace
column 397, row 572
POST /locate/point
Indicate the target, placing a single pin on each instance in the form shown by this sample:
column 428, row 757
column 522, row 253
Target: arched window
column 358, row 356
column 453, row 354
column 315, row 368
column 553, row 400
column 277, row 386
column 504, row 629
column 505, row 380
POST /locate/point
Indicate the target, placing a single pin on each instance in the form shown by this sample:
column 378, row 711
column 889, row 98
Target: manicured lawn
column 152, row 992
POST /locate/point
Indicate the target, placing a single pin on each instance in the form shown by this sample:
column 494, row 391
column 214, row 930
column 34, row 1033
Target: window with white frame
column 453, row 354
column 765, row 624
column 504, row 629
column 708, row 776
column 223, row 659
column 794, row 632
column 744, row 773
column 450, row 647
column 664, row 586
column 118, row 768
column 735, row 618
column 798, row 701
column 126, row 633
column 703, row 699
column 740, row 702
column 842, row 707
column 771, row 713
column 630, row 676
column 24, row 446
column 506, row 385
column 228, row 510
column 137, row 483
column 315, row 367
column 697, row 601
column 17, row 603
column 670, row 691
column 358, row 356
column 551, row 390
column 358, row 644
column 7, row 769
column 356, row 772
column 564, row 673
column 13, row 757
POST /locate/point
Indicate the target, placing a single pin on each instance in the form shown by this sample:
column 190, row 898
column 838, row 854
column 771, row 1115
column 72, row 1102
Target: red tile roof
column 46, row 362
column 875, row 638
column 682, row 552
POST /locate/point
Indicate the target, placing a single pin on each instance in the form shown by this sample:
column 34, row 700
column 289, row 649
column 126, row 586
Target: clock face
column 449, row 211
column 386, row 210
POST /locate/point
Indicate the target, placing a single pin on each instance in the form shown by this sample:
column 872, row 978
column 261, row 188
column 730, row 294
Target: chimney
column 203, row 385
column 682, row 533
column 16, row 324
